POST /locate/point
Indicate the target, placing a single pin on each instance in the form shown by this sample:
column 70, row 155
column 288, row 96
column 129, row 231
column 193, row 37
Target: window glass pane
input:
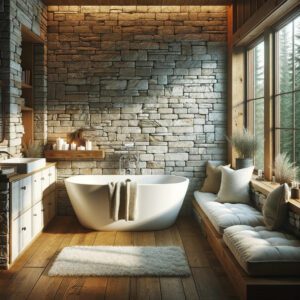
column 286, row 142
column 286, row 109
column 287, row 80
column 255, row 97
column 285, row 45
column 259, row 132
column 259, row 70
column 297, row 52
column 297, row 136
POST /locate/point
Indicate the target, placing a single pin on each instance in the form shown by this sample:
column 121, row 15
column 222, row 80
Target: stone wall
column 13, row 15
column 153, row 74
column 33, row 15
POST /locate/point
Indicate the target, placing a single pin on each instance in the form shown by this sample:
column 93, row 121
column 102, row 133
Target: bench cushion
column 223, row 215
column 262, row 252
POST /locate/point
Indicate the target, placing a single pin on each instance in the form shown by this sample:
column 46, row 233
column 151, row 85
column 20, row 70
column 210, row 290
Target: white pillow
column 235, row 185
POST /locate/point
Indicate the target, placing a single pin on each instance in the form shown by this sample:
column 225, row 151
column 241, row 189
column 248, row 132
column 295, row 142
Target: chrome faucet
column 127, row 162
column 5, row 152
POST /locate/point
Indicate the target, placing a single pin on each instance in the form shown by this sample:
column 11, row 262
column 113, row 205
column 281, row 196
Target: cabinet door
column 15, row 238
column 21, row 232
column 50, row 207
column 36, row 188
column 20, row 196
column 44, row 181
column 25, row 193
column 37, row 218
column 52, row 175
column 26, row 228
column 15, row 199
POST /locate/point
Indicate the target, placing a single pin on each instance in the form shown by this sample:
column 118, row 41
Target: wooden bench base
column 247, row 287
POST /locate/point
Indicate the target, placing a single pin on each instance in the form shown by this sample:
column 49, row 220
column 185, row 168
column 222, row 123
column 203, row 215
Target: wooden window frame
column 277, row 93
column 249, row 85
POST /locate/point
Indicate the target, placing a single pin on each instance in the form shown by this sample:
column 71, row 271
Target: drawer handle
column 49, row 174
column 43, row 209
column 24, row 228
column 42, row 178
column 35, row 215
column 23, row 188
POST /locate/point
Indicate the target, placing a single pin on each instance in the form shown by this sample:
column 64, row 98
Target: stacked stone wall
column 155, row 75
column 14, row 14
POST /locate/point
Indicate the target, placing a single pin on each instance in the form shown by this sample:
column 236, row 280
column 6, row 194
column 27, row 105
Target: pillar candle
column 88, row 145
column 73, row 146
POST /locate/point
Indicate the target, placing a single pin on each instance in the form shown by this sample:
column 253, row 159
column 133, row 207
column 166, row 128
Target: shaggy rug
column 120, row 261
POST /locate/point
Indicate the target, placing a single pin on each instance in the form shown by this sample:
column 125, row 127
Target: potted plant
column 33, row 149
column 284, row 170
column 245, row 144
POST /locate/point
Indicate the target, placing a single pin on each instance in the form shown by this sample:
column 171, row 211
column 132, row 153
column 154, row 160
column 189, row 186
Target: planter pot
column 241, row 163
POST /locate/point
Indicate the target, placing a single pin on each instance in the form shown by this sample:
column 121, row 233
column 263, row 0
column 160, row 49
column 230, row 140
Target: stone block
column 176, row 156
column 137, row 84
column 114, row 84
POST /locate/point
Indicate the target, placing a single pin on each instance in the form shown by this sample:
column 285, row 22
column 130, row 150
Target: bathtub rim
column 183, row 180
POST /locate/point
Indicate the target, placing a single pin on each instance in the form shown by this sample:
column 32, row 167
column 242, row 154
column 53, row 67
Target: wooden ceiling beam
column 137, row 2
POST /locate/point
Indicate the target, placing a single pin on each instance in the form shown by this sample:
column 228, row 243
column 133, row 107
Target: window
column 287, row 90
column 255, row 98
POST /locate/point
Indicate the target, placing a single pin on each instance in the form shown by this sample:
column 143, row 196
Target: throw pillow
column 235, row 185
column 212, row 181
column 275, row 207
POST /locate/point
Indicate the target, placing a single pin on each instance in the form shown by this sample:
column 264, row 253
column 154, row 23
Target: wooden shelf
column 26, row 86
column 26, row 108
column 65, row 155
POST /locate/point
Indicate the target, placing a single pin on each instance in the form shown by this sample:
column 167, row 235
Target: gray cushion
column 212, row 181
column 223, row 215
column 262, row 252
column 275, row 208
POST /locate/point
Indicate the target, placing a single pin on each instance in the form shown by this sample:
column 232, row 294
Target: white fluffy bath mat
column 120, row 261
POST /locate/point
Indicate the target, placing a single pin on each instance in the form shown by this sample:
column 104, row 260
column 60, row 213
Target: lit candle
column 88, row 145
column 81, row 148
column 59, row 143
column 273, row 180
column 259, row 173
column 73, row 146
column 65, row 146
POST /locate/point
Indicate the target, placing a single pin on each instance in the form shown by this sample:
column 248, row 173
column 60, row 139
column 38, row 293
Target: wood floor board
column 145, row 287
column 118, row 288
column 28, row 278
column 189, row 288
column 105, row 238
column 208, row 284
column 22, row 284
column 171, row 288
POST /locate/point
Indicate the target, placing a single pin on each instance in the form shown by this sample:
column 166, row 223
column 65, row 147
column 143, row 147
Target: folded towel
column 111, row 192
column 123, row 200
column 130, row 200
column 115, row 199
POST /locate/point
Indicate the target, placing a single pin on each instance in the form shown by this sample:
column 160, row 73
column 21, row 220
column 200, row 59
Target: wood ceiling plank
column 137, row 2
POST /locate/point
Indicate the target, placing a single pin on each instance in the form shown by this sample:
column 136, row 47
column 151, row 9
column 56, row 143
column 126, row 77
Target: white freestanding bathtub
column 160, row 198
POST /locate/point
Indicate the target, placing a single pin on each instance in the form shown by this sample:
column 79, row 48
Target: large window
column 255, row 98
column 287, row 90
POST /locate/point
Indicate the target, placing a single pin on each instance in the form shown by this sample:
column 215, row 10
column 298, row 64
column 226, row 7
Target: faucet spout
column 5, row 152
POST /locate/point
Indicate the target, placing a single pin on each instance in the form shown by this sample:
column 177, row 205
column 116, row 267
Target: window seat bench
column 238, row 238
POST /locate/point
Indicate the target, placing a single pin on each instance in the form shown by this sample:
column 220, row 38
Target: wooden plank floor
column 27, row 278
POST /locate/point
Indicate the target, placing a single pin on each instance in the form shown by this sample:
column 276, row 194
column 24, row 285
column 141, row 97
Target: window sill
column 266, row 187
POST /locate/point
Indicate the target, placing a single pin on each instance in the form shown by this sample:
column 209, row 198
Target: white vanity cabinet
column 32, row 207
